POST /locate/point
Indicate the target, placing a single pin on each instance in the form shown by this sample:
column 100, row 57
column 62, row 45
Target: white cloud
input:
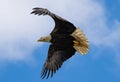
column 19, row 30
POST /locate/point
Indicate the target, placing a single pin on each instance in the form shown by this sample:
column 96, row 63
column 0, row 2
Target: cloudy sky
column 22, row 57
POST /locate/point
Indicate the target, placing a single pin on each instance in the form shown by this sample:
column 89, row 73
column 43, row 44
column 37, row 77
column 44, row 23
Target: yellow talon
column 76, row 43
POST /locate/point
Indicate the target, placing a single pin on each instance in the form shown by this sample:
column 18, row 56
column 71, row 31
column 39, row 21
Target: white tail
column 83, row 46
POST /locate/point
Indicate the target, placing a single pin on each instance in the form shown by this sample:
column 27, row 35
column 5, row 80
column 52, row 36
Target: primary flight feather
column 65, row 40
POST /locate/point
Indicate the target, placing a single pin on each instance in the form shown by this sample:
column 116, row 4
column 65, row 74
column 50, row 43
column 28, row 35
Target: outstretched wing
column 44, row 11
column 56, row 56
column 62, row 26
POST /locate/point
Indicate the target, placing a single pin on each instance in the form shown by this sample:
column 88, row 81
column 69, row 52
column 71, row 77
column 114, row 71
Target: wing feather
column 55, row 59
column 44, row 11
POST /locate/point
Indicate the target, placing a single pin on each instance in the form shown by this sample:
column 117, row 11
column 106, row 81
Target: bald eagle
column 65, row 40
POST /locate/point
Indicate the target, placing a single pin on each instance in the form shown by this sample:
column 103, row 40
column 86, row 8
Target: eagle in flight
column 65, row 40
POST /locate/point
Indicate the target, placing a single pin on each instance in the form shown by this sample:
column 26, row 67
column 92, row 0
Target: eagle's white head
column 44, row 39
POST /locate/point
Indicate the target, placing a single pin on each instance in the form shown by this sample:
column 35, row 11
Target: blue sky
column 22, row 57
